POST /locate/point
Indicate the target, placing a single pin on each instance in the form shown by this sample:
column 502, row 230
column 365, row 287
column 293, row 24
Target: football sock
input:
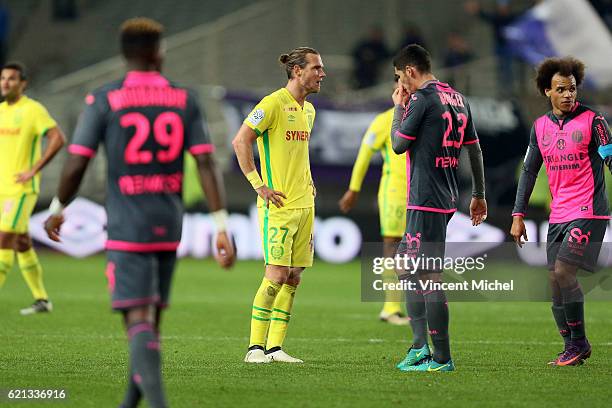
column 32, row 273
column 437, row 320
column 133, row 394
column 573, row 304
column 262, row 309
column 393, row 299
column 391, row 308
column 145, row 360
column 558, row 312
column 7, row 258
column 281, row 314
column 415, row 306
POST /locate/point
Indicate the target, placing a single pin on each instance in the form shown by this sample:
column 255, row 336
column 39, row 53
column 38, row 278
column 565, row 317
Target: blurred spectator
column 499, row 19
column 368, row 55
column 457, row 53
column 4, row 32
column 411, row 35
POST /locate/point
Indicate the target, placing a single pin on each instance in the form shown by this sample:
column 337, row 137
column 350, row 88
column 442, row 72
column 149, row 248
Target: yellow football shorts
column 392, row 213
column 15, row 212
column 287, row 236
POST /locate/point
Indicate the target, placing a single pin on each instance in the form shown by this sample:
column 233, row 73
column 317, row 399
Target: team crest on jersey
column 561, row 144
column 277, row 251
column 256, row 117
column 577, row 136
column 291, row 118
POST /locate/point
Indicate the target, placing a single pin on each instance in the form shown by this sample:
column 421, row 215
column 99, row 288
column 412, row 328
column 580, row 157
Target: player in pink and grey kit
column 574, row 143
column 145, row 123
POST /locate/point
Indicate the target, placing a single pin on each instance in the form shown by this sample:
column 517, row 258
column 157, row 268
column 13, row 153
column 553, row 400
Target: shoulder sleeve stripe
column 202, row 148
column 470, row 142
column 81, row 151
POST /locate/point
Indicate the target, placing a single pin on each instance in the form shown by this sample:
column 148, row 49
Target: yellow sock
column 281, row 314
column 262, row 309
column 32, row 273
column 392, row 307
column 7, row 258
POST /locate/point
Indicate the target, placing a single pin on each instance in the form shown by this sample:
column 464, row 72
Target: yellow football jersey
column 378, row 139
column 283, row 128
column 22, row 126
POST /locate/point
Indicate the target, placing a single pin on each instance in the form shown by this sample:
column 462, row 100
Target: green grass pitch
column 500, row 349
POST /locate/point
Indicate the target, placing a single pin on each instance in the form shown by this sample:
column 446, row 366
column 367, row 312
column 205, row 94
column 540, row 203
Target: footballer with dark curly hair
column 573, row 142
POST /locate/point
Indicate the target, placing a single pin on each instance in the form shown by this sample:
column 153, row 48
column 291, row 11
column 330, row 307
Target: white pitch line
column 296, row 339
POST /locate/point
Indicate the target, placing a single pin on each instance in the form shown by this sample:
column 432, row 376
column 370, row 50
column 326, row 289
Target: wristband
column 254, row 179
column 56, row 206
column 220, row 219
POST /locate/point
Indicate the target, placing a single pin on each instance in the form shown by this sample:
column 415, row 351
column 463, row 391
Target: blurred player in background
column 281, row 123
column 431, row 123
column 146, row 123
column 573, row 141
column 391, row 199
column 23, row 124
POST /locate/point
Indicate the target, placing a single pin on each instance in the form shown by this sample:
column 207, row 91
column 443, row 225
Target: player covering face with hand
column 281, row 124
column 573, row 142
column 146, row 123
column 431, row 123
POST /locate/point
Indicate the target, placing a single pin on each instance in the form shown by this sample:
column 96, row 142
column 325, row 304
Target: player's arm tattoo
column 531, row 166
column 72, row 175
column 477, row 166
column 400, row 144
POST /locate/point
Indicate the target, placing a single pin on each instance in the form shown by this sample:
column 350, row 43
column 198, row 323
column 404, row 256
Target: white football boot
column 282, row 357
column 257, row 356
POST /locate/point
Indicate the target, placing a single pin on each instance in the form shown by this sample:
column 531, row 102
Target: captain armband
column 605, row 151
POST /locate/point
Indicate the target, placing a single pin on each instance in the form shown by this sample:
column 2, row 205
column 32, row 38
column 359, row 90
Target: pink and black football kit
column 436, row 124
column 574, row 150
column 145, row 123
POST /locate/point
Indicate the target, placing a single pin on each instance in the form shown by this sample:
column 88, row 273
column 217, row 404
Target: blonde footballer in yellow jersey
column 23, row 123
column 391, row 199
column 281, row 123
